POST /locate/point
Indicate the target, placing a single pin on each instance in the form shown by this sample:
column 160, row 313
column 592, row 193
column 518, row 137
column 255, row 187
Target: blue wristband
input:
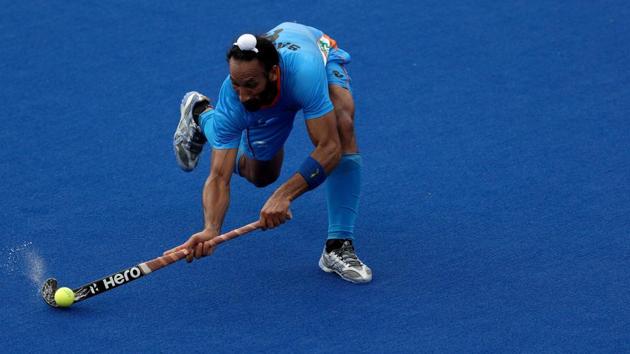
column 313, row 172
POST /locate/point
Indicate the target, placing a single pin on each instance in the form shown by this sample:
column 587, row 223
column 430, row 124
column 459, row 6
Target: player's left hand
column 197, row 246
column 275, row 212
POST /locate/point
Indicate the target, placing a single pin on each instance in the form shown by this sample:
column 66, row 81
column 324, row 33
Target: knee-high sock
column 343, row 189
column 206, row 122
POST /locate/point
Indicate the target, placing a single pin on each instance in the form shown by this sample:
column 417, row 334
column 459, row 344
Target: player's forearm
column 216, row 199
column 292, row 188
column 327, row 156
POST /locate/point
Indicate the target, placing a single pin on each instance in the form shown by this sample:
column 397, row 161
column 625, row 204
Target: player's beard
column 265, row 98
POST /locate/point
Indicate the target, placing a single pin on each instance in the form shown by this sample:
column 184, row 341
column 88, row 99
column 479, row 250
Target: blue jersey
column 303, row 85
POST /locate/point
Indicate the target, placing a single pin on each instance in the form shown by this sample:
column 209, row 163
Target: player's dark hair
column 267, row 53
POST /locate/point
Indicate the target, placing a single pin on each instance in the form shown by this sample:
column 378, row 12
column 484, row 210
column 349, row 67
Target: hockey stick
column 125, row 276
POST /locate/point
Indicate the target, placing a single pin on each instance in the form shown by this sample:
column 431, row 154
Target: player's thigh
column 343, row 102
column 340, row 91
column 340, row 94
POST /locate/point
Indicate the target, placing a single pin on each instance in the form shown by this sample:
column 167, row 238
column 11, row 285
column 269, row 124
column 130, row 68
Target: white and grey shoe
column 345, row 263
column 188, row 140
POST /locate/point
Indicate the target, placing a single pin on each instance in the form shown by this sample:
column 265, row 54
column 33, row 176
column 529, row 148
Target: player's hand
column 197, row 245
column 275, row 212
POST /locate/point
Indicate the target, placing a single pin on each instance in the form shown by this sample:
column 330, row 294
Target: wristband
column 313, row 172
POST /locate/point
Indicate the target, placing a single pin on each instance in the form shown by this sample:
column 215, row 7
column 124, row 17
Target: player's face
column 255, row 87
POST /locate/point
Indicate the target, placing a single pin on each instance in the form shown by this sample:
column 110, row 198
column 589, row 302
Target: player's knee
column 265, row 179
column 262, row 177
column 345, row 124
column 262, row 173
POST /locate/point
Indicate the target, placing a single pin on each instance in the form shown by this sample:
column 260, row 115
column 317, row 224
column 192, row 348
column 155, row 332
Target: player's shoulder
column 294, row 39
column 299, row 53
column 293, row 30
column 300, row 61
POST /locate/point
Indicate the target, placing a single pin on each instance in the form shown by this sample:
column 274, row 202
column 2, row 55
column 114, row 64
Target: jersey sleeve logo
column 324, row 47
column 325, row 44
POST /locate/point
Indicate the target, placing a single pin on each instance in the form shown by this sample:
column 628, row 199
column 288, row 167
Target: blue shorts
column 336, row 69
column 263, row 144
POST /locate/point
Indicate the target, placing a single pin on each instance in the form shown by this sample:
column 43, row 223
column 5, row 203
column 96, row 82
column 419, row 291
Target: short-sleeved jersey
column 303, row 53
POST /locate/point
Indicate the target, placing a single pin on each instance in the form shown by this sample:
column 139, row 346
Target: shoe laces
column 347, row 255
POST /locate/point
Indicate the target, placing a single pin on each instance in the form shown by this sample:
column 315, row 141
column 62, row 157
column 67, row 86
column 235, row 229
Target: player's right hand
column 197, row 245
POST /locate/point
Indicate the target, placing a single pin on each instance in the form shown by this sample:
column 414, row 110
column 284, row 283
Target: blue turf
column 496, row 200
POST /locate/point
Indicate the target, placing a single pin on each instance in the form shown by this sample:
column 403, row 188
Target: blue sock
column 343, row 189
column 206, row 124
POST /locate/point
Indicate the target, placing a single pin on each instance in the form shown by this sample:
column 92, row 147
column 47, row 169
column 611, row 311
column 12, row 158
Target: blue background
column 496, row 196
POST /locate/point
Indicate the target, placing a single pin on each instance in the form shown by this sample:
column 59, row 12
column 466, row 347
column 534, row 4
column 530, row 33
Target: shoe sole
column 185, row 104
column 183, row 113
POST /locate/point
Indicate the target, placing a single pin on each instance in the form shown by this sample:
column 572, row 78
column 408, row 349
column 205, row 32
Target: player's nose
column 243, row 96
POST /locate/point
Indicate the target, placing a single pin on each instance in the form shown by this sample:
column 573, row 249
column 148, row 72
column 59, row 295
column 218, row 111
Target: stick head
column 48, row 292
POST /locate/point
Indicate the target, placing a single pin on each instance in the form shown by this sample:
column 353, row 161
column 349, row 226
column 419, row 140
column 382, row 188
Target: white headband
column 247, row 42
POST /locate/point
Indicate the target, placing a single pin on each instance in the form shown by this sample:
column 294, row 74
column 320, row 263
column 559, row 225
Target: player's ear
column 274, row 73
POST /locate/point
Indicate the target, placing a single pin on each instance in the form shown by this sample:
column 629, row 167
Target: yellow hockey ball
column 64, row 297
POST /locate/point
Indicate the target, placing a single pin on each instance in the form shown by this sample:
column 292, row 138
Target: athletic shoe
column 188, row 140
column 345, row 263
